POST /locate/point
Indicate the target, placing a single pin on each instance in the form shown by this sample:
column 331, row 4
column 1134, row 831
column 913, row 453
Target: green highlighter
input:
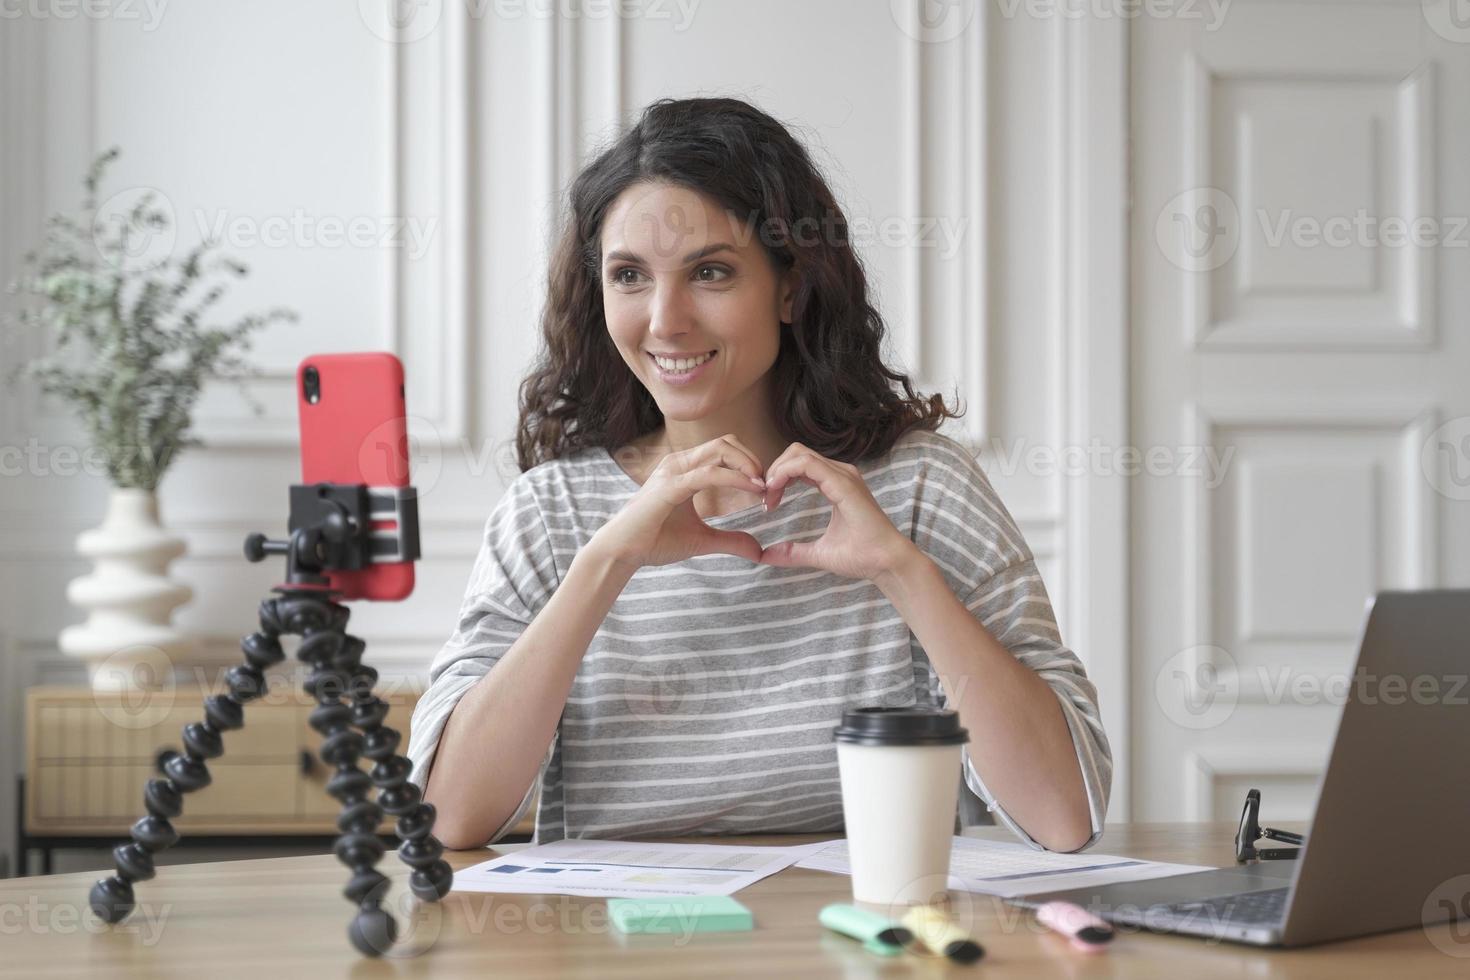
column 877, row 934
column 679, row 914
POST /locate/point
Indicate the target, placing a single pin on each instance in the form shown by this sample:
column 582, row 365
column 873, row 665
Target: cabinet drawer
column 112, row 795
column 89, row 755
column 73, row 732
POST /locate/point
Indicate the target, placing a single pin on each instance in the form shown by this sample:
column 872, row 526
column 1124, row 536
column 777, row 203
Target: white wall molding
column 1410, row 423
column 1203, row 766
column 434, row 159
column 1092, row 319
column 945, row 144
column 1373, row 321
column 22, row 169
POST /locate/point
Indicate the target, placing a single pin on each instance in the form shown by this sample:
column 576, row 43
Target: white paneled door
column 1300, row 360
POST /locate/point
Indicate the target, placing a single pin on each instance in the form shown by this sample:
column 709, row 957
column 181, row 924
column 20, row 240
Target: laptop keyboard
column 1247, row 908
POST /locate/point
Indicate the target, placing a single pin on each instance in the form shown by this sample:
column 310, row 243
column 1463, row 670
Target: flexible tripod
column 331, row 530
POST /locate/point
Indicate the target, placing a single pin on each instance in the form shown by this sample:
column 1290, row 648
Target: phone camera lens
column 311, row 384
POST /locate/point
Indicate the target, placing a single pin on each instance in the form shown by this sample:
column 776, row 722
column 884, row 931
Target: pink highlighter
column 1088, row 933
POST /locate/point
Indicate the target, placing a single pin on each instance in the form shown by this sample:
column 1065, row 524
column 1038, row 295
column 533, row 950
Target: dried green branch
column 132, row 346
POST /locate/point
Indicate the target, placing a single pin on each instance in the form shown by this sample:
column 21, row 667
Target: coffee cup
column 900, row 772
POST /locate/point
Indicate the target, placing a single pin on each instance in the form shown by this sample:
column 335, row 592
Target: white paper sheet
column 629, row 869
column 1010, row 869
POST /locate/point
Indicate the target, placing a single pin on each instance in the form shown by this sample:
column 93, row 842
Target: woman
column 729, row 526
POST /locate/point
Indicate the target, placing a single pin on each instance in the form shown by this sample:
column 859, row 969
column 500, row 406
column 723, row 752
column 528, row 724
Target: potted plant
column 131, row 345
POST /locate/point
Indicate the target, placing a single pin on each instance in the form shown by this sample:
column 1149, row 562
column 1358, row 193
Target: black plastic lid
column 901, row 726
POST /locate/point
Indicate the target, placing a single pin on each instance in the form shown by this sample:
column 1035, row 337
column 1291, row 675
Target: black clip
column 1251, row 831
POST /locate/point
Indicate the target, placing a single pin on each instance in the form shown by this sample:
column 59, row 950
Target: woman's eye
column 628, row 276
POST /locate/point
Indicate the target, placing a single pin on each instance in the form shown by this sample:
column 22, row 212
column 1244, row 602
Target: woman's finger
column 791, row 450
column 816, row 470
column 715, row 452
column 788, row 554
column 736, row 543
column 729, row 455
column 714, row 475
column 755, row 460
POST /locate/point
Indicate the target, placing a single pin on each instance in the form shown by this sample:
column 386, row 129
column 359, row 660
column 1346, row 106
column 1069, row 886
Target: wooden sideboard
column 88, row 755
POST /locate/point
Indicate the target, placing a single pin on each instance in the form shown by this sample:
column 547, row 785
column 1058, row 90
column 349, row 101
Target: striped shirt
column 706, row 701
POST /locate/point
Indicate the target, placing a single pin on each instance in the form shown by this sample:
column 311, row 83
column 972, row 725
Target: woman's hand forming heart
column 860, row 541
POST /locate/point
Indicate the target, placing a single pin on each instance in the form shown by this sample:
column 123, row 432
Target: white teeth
column 683, row 364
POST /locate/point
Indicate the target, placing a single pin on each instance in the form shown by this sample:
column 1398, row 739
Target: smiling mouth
column 707, row 356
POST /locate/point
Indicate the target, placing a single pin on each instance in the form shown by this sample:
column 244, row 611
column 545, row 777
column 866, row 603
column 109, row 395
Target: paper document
column 629, row 869
column 1009, row 869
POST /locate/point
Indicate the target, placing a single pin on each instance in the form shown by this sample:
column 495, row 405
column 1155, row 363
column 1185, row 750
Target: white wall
column 263, row 114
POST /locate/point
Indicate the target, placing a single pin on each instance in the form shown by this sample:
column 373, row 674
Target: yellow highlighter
column 939, row 932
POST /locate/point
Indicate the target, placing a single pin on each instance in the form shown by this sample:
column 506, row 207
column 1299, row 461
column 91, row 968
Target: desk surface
column 285, row 917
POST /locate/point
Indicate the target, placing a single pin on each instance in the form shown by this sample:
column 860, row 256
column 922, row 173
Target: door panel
column 1300, row 300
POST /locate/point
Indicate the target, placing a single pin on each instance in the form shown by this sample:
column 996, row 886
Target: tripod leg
column 372, row 930
column 421, row 850
column 112, row 898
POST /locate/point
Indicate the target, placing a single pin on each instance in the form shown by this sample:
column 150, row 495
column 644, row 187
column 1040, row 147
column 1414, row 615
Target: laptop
column 1390, row 822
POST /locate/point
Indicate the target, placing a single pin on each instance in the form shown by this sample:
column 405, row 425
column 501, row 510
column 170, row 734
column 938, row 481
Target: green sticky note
column 679, row 914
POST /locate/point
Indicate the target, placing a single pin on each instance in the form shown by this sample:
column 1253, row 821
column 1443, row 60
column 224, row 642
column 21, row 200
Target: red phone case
column 357, row 432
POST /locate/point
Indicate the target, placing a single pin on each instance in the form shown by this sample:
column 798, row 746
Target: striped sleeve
column 514, row 574
column 962, row 524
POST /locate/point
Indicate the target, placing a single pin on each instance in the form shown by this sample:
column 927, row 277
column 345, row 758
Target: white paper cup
column 900, row 771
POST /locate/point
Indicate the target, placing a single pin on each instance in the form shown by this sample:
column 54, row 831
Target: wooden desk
column 281, row 918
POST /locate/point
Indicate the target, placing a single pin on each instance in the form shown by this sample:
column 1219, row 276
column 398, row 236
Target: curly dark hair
column 831, row 390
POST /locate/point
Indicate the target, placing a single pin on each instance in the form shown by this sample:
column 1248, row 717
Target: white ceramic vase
column 128, row 642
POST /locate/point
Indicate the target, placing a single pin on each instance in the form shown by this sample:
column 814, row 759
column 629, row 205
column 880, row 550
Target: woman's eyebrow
column 695, row 256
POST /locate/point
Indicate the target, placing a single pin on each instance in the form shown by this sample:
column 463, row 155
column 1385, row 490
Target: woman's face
column 682, row 278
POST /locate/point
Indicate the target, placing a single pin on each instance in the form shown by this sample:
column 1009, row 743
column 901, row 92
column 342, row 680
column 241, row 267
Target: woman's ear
column 789, row 281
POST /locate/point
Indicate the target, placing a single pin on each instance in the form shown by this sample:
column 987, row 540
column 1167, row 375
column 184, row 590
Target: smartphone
column 354, row 430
